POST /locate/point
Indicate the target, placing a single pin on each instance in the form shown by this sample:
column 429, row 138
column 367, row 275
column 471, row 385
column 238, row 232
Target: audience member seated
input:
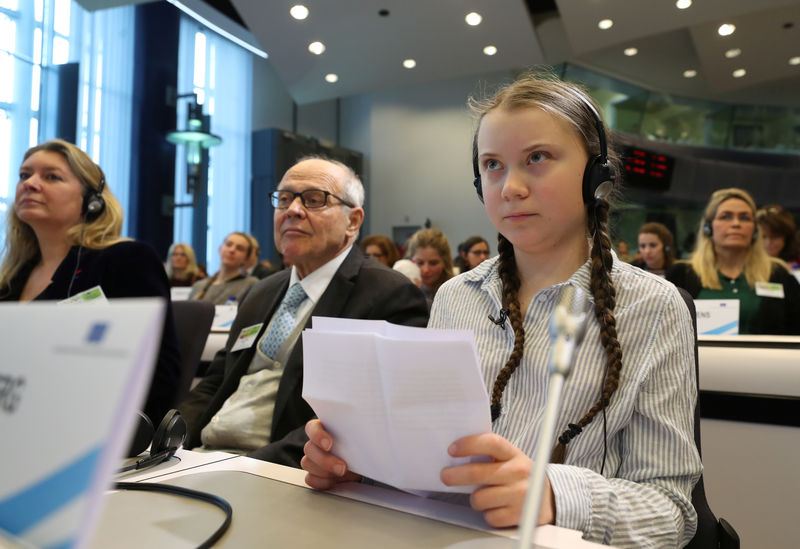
column 471, row 253
column 656, row 248
column 429, row 249
column 63, row 238
column 729, row 262
column 182, row 268
column 624, row 462
column 254, row 267
column 250, row 398
column 228, row 285
column 623, row 253
column 778, row 233
column 381, row 248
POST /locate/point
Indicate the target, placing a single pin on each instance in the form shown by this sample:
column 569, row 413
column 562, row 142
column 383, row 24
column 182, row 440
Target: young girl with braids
column 624, row 462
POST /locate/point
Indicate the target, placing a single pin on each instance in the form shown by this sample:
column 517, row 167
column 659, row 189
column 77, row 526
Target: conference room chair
column 193, row 320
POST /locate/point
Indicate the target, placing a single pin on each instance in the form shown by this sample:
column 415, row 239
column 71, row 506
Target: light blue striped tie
column 283, row 322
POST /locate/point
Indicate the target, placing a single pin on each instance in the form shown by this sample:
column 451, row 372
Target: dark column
column 152, row 157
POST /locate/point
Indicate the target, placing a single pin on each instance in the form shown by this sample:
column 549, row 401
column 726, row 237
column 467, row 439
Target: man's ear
column 355, row 217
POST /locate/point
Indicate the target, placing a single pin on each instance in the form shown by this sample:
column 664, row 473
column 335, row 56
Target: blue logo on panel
column 97, row 332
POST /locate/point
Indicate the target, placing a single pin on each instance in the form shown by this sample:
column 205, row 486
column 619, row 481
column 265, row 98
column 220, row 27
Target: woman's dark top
column 125, row 269
column 777, row 316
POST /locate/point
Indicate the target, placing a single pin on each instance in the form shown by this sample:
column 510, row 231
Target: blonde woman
column 63, row 238
column 729, row 262
column 430, row 250
column 182, row 268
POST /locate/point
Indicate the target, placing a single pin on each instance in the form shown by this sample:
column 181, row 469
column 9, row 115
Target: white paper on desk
column 394, row 398
column 71, row 380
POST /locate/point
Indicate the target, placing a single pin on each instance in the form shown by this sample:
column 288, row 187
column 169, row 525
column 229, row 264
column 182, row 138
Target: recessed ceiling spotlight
column 794, row 61
column 683, row 4
column 605, row 24
column 738, row 73
column 330, row 77
column 490, row 50
column 734, row 52
column 473, row 19
column 384, row 13
column 299, row 12
column 726, row 29
column 317, row 48
column 409, row 63
column 691, row 73
column 630, row 52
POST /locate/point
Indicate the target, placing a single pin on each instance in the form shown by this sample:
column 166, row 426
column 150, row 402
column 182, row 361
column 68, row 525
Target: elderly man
column 250, row 399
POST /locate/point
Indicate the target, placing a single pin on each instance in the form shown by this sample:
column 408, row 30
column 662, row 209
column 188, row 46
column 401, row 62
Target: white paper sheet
column 395, row 397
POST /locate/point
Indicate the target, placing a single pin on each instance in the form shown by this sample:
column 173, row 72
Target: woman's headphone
column 93, row 202
column 596, row 174
column 163, row 443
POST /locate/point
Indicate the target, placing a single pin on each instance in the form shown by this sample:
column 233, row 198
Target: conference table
column 273, row 507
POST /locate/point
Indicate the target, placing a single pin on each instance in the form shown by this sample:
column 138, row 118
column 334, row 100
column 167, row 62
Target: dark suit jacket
column 778, row 316
column 361, row 288
column 126, row 269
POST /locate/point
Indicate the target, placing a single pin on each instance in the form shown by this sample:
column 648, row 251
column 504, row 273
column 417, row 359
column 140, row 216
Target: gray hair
column 352, row 188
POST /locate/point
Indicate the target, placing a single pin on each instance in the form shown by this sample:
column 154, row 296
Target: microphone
column 567, row 326
column 501, row 320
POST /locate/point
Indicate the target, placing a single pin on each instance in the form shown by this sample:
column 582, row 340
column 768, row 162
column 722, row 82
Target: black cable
column 78, row 258
column 191, row 494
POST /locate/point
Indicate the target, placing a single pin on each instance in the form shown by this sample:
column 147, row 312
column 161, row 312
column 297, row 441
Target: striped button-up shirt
column 643, row 497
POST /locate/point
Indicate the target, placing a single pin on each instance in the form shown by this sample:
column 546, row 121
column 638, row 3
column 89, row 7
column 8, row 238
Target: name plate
column 717, row 316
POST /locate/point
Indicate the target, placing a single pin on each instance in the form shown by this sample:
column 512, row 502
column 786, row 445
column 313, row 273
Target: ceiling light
column 726, row 29
column 691, row 73
column 316, row 48
column 490, row 50
column 409, row 63
column 330, row 77
column 734, row 52
column 683, row 4
column 794, row 61
column 630, row 52
column 299, row 11
column 605, row 24
column 473, row 18
column 738, row 73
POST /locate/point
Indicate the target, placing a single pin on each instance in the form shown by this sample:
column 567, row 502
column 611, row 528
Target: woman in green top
column 729, row 262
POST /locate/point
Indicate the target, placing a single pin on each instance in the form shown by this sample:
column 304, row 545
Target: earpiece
column 167, row 439
column 707, row 229
column 93, row 202
column 598, row 175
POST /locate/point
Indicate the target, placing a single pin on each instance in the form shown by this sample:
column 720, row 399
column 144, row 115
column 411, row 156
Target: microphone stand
column 567, row 326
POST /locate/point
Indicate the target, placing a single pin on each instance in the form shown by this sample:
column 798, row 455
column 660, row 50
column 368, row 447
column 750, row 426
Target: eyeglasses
column 312, row 199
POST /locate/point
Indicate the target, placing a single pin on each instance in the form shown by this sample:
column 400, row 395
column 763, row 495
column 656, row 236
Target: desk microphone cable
column 191, row 494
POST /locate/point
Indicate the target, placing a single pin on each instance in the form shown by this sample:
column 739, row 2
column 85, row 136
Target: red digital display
column 647, row 169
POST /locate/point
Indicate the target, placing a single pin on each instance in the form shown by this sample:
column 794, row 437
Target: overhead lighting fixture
column 733, row 52
column 738, row 73
column 473, row 19
column 630, row 52
column 726, row 29
column 317, row 48
column 683, row 4
column 409, row 63
column 330, row 77
column 605, row 24
column 490, row 50
column 299, row 12
column 794, row 61
column 691, row 73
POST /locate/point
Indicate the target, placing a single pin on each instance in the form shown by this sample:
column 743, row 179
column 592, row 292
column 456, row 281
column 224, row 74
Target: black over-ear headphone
column 597, row 172
column 163, row 443
column 93, row 202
